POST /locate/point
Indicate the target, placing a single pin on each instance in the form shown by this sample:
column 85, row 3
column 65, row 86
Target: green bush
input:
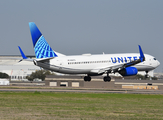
column 40, row 74
column 4, row 75
column 143, row 77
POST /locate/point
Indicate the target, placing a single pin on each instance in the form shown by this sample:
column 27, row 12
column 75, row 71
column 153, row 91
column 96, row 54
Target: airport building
column 15, row 68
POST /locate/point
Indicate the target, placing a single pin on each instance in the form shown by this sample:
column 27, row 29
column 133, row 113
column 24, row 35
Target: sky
column 74, row 27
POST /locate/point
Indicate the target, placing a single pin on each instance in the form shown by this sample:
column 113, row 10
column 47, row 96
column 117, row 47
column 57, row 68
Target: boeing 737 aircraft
column 125, row 64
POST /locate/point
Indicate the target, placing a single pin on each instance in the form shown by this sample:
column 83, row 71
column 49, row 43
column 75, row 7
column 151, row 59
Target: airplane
column 126, row 64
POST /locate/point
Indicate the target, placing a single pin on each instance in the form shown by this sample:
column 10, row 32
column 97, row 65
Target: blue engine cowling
column 128, row 71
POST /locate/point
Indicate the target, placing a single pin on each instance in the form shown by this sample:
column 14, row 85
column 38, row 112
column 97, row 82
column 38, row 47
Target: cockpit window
column 154, row 58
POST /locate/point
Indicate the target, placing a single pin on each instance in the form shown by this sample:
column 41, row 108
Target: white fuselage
column 91, row 64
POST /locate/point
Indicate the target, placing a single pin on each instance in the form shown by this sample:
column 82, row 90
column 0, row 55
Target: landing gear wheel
column 146, row 76
column 87, row 78
column 107, row 78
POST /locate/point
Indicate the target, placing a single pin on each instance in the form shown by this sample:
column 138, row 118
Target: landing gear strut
column 107, row 78
column 87, row 78
column 146, row 76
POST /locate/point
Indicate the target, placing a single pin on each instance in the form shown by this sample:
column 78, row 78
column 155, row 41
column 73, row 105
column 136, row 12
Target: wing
column 116, row 68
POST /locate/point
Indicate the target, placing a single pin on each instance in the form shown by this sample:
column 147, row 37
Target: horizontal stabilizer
column 22, row 54
column 44, row 59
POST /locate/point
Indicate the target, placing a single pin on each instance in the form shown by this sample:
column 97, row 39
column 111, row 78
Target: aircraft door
column 59, row 64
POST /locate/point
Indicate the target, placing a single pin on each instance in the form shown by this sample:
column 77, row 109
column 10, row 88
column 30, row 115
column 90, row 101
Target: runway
column 81, row 90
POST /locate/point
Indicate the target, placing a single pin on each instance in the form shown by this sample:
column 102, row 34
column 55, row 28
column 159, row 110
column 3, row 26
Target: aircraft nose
column 158, row 63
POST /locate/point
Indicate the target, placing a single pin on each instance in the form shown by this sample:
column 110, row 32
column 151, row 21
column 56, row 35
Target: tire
column 87, row 78
column 107, row 79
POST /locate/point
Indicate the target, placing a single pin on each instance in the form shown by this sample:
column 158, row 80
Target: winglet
column 22, row 54
column 142, row 58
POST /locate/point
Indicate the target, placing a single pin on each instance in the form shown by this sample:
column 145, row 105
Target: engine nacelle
column 128, row 71
column 35, row 62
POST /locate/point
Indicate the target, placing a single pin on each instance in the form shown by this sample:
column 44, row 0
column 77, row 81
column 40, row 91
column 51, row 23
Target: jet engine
column 128, row 71
column 35, row 62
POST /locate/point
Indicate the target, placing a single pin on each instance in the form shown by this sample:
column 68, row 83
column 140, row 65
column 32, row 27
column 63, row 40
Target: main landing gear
column 87, row 78
column 106, row 78
column 146, row 76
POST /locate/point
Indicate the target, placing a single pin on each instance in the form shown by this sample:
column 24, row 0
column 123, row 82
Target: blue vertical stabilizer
column 41, row 47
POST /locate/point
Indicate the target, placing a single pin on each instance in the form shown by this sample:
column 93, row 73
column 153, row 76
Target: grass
column 79, row 106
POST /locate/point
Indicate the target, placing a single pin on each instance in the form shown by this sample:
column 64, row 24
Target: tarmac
column 17, row 86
